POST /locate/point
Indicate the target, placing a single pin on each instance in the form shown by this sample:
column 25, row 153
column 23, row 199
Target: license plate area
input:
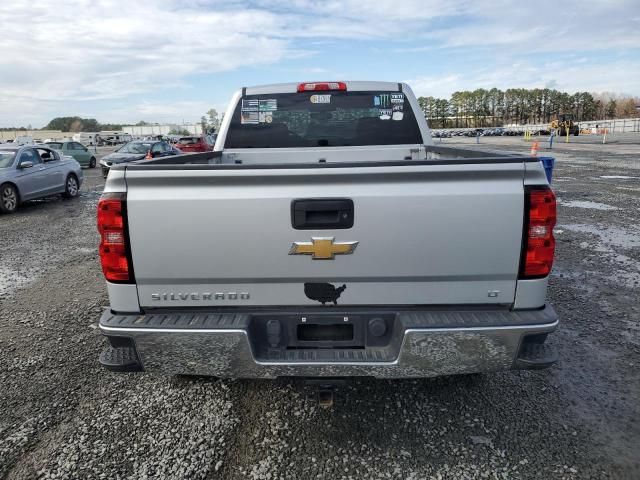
column 273, row 335
column 324, row 332
column 314, row 332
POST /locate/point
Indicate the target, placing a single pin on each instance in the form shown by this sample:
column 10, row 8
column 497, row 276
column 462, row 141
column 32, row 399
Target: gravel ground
column 62, row 416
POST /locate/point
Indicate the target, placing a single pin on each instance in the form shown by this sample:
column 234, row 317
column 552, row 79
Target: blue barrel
column 548, row 163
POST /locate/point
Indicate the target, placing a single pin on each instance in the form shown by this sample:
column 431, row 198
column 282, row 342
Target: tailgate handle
column 322, row 213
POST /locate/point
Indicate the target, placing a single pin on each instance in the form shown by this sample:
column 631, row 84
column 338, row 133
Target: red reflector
column 322, row 86
column 539, row 244
column 113, row 240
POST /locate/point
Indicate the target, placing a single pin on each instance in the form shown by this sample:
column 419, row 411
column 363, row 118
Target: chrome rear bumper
column 423, row 343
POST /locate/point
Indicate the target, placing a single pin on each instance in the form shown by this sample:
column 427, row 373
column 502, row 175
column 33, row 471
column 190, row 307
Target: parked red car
column 195, row 144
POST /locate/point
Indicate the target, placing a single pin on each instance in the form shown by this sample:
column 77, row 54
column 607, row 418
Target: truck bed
column 434, row 155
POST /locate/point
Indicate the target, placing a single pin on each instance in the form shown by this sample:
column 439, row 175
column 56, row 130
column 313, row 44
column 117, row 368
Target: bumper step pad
column 536, row 356
column 120, row 359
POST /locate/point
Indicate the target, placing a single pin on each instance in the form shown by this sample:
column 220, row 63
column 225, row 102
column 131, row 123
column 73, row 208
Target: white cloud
column 566, row 76
column 87, row 50
column 80, row 53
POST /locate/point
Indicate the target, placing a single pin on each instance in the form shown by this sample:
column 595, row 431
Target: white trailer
column 87, row 138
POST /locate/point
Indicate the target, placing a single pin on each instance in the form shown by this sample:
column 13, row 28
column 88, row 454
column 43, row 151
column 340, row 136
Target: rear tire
column 71, row 186
column 92, row 162
column 9, row 198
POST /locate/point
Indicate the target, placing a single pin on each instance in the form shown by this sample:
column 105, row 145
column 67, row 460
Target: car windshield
column 56, row 145
column 6, row 158
column 188, row 140
column 135, row 147
column 323, row 119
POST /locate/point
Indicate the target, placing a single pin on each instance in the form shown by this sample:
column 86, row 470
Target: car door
column 54, row 169
column 69, row 149
column 32, row 181
column 157, row 150
column 167, row 150
column 80, row 153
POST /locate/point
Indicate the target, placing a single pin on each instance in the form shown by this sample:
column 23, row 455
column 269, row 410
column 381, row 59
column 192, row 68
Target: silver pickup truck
column 326, row 236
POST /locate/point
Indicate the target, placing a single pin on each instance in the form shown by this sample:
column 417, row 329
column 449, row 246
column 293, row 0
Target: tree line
column 494, row 107
column 477, row 108
column 78, row 124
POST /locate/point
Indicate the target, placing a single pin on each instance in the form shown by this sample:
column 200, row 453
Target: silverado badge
column 323, row 248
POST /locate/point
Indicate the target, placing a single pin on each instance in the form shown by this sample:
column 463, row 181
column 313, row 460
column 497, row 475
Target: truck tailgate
column 426, row 234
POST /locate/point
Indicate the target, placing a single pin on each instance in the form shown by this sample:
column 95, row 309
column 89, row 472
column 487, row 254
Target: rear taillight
column 321, row 86
column 538, row 244
column 114, row 255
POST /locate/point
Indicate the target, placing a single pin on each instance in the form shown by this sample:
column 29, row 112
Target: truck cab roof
column 353, row 86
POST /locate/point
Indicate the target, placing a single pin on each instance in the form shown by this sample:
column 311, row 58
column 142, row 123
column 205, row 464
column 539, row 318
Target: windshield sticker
column 385, row 114
column 249, row 105
column 398, row 107
column 265, row 117
column 397, row 98
column 320, row 98
column 256, row 111
column 249, row 118
column 381, row 100
column 397, row 115
column 268, row 105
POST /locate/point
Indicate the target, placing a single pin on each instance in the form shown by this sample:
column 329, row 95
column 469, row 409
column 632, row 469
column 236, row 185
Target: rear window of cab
column 323, row 119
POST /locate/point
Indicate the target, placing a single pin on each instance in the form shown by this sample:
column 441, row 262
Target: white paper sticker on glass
column 320, row 98
column 385, row 114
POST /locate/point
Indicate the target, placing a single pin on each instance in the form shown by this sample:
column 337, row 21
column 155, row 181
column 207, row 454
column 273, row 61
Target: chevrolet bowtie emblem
column 322, row 248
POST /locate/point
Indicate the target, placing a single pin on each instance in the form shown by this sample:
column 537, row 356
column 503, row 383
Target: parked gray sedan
column 35, row 171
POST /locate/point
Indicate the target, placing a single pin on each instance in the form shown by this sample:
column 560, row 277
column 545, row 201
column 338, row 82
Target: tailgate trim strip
column 418, row 318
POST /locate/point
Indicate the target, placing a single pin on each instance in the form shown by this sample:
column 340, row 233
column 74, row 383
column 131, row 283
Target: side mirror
column 26, row 164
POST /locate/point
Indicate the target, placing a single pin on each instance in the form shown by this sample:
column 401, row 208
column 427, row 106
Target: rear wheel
column 92, row 162
column 71, row 187
column 8, row 198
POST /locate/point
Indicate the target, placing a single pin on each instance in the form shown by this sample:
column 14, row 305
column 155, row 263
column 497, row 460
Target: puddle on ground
column 610, row 235
column 630, row 189
column 91, row 194
column 587, row 204
column 627, row 271
column 628, row 279
column 11, row 279
column 622, row 177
